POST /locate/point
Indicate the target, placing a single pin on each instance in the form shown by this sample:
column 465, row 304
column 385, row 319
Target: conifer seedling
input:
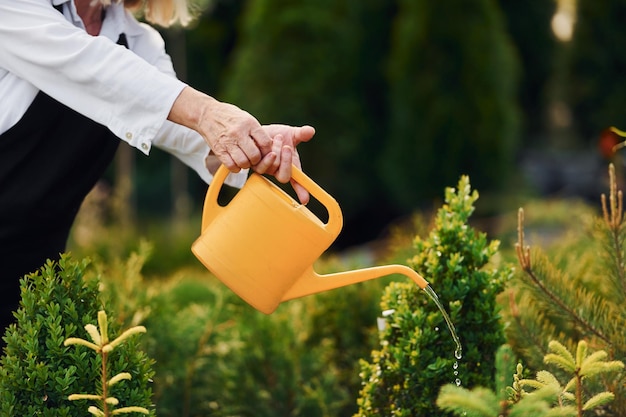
column 103, row 346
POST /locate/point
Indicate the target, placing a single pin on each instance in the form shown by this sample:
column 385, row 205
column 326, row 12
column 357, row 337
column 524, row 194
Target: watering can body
column 263, row 243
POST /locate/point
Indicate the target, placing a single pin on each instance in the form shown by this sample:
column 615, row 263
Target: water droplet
column 458, row 382
column 456, row 373
column 458, row 353
column 456, row 365
column 436, row 329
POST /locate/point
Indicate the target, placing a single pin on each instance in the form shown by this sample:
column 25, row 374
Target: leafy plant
column 416, row 354
column 544, row 396
column 220, row 357
column 38, row 372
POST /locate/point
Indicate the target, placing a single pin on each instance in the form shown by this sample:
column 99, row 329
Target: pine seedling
column 544, row 396
column 103, row 346
column 578, row 292
column 582, row 367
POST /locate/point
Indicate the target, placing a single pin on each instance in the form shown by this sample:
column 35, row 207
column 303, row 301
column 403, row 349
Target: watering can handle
column 212, row 208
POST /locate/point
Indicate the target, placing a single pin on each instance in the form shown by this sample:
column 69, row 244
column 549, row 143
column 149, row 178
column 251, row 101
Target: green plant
column 223, row 358
column 416, row 354
column 103, row 346
column 577, row 291
column 544, row 396
column 220, row 357
column 38, row 372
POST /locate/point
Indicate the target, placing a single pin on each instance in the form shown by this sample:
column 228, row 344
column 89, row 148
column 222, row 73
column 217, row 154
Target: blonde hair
column 160, row 12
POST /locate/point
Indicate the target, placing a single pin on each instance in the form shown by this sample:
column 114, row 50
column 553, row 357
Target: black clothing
column 49, row 161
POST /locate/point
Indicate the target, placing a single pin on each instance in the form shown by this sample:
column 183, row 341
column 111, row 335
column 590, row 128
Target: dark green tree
column 529, row 25
column 453, row 94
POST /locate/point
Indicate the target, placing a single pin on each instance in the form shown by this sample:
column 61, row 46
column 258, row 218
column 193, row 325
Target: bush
column 216, row 356
column 38, row 372
column 416, row 355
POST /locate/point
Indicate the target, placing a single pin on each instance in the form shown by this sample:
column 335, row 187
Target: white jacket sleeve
column 90, row 74
column 131, row 91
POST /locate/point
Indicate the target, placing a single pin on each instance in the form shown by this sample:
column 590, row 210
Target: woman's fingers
column 270, row 162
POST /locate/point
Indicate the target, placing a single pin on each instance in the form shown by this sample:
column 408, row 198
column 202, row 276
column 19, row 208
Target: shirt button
column 144, row 146
column 129, row 135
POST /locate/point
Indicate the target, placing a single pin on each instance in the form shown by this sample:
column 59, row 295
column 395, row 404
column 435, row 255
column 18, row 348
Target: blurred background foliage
column 405, row 95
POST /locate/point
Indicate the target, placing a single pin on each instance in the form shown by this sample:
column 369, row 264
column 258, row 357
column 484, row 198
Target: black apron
column 49, row 161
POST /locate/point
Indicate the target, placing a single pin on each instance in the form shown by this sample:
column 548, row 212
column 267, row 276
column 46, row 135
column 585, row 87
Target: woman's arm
column 90, row 74
column 235, row 137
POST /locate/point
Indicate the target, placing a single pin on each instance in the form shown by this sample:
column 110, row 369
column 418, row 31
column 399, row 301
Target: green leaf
column 591, row 360
column 547, row 378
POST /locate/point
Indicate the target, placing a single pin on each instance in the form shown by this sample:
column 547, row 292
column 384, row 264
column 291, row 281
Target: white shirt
column 131, row 91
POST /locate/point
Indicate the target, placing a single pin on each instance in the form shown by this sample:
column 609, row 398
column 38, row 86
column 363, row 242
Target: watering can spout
column 311, row 282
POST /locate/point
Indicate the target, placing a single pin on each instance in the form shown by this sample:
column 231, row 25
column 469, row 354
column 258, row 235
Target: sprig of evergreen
column 103, row 346
column 544, row 396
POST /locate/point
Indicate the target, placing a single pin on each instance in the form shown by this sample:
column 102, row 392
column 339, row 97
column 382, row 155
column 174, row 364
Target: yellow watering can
column 263, row 243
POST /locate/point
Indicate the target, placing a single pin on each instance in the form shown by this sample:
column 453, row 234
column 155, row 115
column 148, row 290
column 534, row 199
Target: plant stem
column 619, row 260
column 579, row 393
column 105, row 406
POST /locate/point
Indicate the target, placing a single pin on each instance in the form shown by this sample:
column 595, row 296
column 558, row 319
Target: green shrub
column 220, row 357
column 38, row 372
column 416, row 355
column 216, row 356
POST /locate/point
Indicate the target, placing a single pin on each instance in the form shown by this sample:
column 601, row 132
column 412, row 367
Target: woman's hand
column 284, row 153
column 238, row 140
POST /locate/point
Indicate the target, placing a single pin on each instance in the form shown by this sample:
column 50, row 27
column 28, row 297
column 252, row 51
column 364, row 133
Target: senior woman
column 76, row 76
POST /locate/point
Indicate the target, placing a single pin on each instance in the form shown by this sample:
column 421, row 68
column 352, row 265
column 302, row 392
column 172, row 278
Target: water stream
column 458, row 352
